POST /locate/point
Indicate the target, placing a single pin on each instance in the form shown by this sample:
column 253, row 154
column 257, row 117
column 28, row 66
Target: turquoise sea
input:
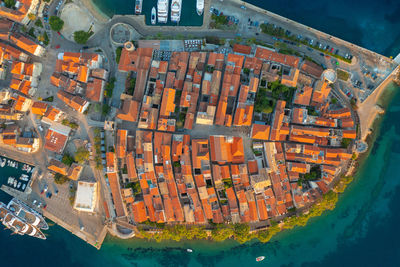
column 363, row 230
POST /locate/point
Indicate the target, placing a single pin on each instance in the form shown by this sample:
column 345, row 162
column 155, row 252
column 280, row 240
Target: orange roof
column 266, row 54
column 352, row 134
column 130, row 164
column 116, row 194
column 74, row 171
column 110, row 159
column 312, row 69
column 55, row 141
column 139, row 211
column 303, row 96
column 252, row 166
column 52, row 113
column 39, row 108
column 299, row 115
column 121, row 143
column 226, row 149
column 347, row 122
column 83, row 74
column 167, row 103
column 24, row 43
column 262, row 209
column 302, row 138
column 94, row 90
column 302, row 130
column 136, row 59
column 260, row 131
column 58, row 166
column 129, row 111
column 242, row 49
column 278, row 119
column 16, row 14
column 321, row 92
column 339, row 114
column 291, row 79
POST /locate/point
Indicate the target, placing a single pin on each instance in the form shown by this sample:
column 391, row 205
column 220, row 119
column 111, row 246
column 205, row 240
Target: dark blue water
column 370, row 23
column 363, row 230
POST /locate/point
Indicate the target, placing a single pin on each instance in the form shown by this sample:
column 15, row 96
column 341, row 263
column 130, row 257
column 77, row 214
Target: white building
column 86, row 196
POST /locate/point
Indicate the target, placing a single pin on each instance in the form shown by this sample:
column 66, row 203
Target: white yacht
column 200, row 7
column 17, row 224
column 162, row 11
column 176, row 7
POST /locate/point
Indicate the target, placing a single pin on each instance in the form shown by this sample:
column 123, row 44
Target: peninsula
column 240, row 128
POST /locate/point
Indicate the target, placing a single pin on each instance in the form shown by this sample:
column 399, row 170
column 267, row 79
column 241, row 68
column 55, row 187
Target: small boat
column 200, row 7
column 153, row 15
column 261, row 258
column 138, row 6
column 189, row 250
column 3, row 163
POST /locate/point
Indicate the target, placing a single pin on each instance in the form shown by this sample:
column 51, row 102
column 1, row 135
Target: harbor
column 18, row 174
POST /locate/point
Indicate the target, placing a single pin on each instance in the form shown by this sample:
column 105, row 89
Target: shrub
column 9, row 3
column 67, row 159
column 81, row 37
column 81, row 155
column 39, row 23
column 60, row 179
column 56, row 23
column 118, row 52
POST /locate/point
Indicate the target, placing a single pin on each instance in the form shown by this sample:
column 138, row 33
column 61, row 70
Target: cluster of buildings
column 80, row 78
column 159, row 174
column 19, row 75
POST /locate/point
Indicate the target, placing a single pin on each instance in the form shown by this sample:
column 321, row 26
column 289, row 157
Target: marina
column 18, row 174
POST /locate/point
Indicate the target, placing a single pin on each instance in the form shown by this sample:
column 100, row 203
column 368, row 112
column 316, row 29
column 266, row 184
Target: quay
column 95, row 238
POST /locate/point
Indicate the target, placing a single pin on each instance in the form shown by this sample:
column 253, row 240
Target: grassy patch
column 118, row 52
column 342, row 75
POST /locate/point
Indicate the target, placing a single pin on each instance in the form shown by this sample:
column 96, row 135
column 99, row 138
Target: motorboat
column 153, row 16
column 162, row 11
column 200, row 7
column 138, row 6
column 176, row 7
column 260, row 258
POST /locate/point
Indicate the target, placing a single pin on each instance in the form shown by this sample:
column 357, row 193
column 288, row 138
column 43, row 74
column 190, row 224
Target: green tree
column 9, row 3
column 242, row 232
column 81, row 37
column 56, row 23
column 105, row 109
column 81, row 155
column 60, row 179
column 67, row 159
column 346, row 142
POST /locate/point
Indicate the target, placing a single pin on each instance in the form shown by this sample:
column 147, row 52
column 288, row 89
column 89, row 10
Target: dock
column 89, row 227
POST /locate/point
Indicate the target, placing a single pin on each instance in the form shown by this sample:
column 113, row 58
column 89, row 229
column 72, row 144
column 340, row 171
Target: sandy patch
column 76, row 19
